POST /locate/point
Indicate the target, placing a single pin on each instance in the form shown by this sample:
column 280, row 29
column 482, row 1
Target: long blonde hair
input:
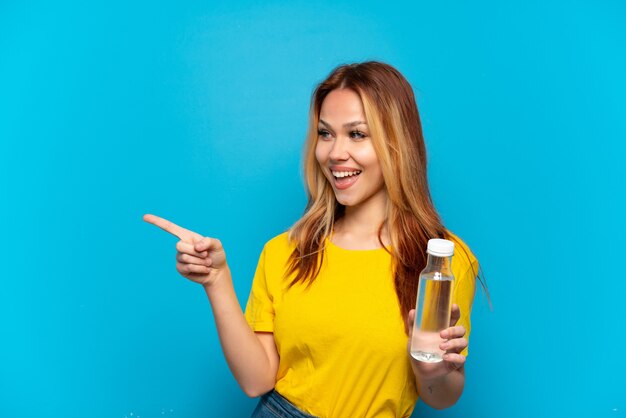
column 396, row 133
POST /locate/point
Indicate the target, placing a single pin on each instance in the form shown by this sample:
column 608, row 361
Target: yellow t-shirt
column 342, row 346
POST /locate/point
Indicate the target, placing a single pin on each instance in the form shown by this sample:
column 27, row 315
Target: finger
column 455, row 314
column 190, row 259
column 453, row 332
column 172, row 228
column 456, row 360
column 454, row 346
column 187, row 248
column 186, row 269
column 207, row 244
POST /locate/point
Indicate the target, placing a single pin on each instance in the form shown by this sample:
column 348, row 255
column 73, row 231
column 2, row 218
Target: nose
column 339, row 151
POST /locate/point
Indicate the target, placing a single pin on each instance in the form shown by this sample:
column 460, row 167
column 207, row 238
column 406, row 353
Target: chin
column 343, row 201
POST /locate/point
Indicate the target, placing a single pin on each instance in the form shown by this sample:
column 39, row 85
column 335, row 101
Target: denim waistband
column 272, row 404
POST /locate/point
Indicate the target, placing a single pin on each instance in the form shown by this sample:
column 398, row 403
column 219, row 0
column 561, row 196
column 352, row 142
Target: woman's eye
column 323, row 133
column 357, row 135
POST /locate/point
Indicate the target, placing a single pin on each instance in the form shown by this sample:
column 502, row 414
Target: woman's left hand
column 453, row 343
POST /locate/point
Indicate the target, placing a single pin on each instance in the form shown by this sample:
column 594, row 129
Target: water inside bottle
column 434, row 299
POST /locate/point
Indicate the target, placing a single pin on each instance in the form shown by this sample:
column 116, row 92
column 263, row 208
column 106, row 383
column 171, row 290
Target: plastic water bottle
column 434, row 301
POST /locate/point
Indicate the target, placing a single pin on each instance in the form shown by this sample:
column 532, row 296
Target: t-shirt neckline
column 335, row 246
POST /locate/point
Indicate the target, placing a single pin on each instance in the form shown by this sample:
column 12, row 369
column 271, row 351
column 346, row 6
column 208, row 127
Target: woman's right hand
column 199, row 259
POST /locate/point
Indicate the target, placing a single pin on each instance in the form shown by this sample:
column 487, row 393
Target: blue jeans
column 273, row 405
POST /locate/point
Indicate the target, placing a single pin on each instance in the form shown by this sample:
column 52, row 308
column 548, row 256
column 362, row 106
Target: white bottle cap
column 440, row 247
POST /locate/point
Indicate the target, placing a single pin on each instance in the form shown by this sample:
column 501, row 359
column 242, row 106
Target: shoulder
column 274, row 259
column 463, row 257
column 279, row 247
column 280, row 242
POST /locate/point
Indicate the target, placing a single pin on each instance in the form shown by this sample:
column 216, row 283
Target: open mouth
column 345, row 179
column 343, row 174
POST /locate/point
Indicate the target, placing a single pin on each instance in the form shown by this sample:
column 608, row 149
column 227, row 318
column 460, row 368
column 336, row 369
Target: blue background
column 196, row 111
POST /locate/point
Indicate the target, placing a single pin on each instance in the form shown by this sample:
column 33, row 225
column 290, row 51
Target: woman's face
column 345, row 151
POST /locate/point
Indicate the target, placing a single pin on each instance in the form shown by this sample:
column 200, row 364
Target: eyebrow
column 345, row 125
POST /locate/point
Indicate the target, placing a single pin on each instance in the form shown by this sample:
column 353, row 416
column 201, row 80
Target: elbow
column 254, row 391
column 440, row 404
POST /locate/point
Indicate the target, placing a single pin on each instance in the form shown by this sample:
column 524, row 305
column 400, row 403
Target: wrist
column 219, row 279
column 424, row 379
column 429, row 373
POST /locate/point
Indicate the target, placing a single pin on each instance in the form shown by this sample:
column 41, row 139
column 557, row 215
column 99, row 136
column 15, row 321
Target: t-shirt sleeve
column 260, row 307
column 464, row 289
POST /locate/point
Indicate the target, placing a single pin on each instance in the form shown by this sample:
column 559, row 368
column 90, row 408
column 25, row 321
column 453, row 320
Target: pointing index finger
column 172, row 228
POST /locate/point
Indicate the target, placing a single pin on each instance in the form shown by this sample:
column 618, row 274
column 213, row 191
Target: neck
column 361, row 223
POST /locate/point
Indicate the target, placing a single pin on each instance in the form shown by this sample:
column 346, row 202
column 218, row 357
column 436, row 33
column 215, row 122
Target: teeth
column 340, row 174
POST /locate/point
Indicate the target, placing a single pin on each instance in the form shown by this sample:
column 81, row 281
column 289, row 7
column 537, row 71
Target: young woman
column 329, row 317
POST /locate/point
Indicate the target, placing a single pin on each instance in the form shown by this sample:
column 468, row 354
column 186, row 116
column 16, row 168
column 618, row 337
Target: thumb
column 205, row 243
column 411, row 321
column 455, row 314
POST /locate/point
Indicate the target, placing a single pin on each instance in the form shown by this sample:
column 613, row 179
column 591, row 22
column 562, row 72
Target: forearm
column 442, row 392
column 243, row 351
